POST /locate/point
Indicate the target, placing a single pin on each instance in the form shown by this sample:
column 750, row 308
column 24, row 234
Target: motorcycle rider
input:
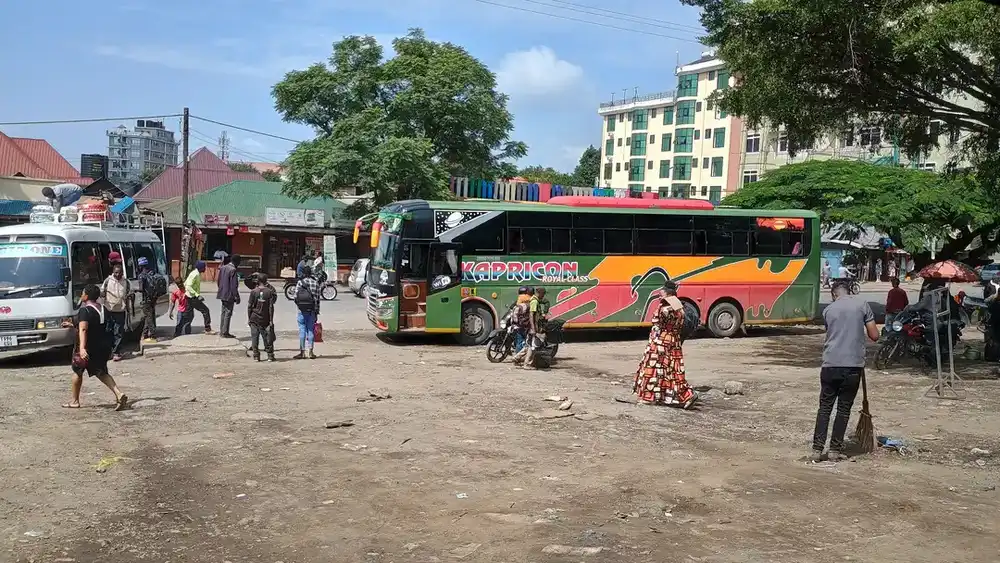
column 536, row 329
column 519, row 316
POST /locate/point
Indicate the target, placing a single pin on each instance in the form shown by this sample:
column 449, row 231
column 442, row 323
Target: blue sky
column 65, row 59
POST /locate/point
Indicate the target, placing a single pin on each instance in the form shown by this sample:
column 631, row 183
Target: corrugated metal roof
column 245, row 202
column 34, row 158
column 15, row 207
column 207, row 171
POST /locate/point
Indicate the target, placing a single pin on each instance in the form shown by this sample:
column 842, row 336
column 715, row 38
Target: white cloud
column 252, row 143
column 267, row 67
column 537, row 72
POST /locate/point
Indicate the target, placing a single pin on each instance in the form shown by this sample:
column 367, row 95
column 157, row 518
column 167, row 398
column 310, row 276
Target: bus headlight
column 52, row 322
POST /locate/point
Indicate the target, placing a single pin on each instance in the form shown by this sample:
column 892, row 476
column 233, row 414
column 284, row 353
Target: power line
column 89, row 120
column 599, row 24
column 603, row 13
column 238, row 128
column 206, row 139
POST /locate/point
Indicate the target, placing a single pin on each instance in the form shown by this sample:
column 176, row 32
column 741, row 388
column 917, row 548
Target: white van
column 45, row 266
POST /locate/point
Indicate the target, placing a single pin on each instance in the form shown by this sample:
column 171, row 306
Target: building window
column 717, row 167
column 637, row 170
column 611, row 123
column 704, row 190
column 682, row 168
column 683, row 140
column 705, row 162
column 722, row 80
column 621, row 117
column 649, row 164
column 753, row 143
column 697, row 107
column 870, row 137
column 652, row 140
column 607, row 171
column 652, row 113
column 719, row 137
column 783, row 142
column 668, row 115
column 694, row 163
column 680, row 191
column 723, row 114
column 620, row 141
column 685, row 113
column 710, row 105
column 749, row 176
column 665, row 141
column 639, row 121
column 638, row 144
column 711, row 75
column 609, row 147
column 618, row 167
column 697, row 134
column 708, row 134
column 664, row 169
column 715, row 194
column 687, row 85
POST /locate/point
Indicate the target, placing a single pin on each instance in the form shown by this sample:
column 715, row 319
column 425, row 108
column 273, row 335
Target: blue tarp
column 123, row 205
column 15, row 207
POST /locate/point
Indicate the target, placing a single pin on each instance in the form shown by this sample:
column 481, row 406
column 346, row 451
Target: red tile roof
column 207, row 171
column 36, row 158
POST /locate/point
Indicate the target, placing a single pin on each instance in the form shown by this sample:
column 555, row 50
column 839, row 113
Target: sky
column 122, row 58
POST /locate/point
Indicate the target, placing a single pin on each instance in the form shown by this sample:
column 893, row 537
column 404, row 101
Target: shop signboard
column 285, row 217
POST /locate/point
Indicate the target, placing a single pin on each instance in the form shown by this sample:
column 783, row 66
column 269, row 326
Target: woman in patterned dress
column 660, row 378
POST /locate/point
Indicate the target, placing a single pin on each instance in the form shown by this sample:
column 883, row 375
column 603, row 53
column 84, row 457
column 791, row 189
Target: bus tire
column 477, row 324
column 724, row 320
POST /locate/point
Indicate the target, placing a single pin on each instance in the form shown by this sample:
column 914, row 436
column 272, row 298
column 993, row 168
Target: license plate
column 8, row 341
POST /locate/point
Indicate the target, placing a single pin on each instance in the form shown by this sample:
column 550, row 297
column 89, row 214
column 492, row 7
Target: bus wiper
column 39, row 287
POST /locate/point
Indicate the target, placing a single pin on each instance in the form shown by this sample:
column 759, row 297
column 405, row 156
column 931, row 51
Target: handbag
column 79, row 362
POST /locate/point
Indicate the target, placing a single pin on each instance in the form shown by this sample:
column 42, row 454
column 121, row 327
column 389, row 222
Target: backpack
column 158, row 286
column 304, row 299
column 522, row 315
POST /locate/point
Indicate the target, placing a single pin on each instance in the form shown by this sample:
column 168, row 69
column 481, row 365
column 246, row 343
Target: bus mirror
column 357, row 231
column 376, row 233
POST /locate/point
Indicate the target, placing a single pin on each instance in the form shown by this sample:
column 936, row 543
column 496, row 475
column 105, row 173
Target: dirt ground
column 461, row 462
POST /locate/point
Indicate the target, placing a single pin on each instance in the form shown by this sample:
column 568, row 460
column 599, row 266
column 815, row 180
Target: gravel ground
column 437, row 455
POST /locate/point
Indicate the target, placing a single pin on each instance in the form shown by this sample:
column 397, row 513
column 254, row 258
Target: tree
column 271, row 175
column 819, row 66
column 588, row 170
column 395, row 128
column 908, row 205
column 150, row 174
column 241, row 167
column 546, row 175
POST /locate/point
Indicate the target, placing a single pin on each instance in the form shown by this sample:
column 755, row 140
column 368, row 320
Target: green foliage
column 548, row 175
column 150, row 174
column 820, row 66
column 241, row 167
column 396, row 128
column 271, row 175
column 904, row 203
column 589, row 168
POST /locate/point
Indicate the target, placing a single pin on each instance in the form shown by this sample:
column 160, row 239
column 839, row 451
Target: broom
column 864, row 434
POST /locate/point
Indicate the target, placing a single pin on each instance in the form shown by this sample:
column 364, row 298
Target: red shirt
column 180, row 298
column 896, row 300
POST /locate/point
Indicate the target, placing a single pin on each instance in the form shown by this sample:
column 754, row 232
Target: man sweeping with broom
column 848, row 320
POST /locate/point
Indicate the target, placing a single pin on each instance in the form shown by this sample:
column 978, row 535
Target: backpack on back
column 159, row 286
column 304, row 299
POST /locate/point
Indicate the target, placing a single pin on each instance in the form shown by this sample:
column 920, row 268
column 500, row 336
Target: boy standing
column 260, row 312
column 178, row 300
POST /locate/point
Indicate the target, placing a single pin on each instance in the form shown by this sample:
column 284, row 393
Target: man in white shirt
column 116, row 291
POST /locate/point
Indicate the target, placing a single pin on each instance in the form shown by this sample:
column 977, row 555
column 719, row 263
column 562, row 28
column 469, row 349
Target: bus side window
column 161, row 256
column 128, row 259
column 85, row 261
column 145, row 250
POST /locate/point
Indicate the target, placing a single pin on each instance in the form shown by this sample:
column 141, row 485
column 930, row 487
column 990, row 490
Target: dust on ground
column 466, row 461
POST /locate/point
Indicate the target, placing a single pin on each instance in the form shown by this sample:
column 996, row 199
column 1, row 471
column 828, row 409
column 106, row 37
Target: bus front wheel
column 724, row 320
column 477, row 324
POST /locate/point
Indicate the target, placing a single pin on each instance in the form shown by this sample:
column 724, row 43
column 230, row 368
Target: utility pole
column 185, row 228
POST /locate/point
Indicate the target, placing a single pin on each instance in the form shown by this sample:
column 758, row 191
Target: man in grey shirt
column 848, row 321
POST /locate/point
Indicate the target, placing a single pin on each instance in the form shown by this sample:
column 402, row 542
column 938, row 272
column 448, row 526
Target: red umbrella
column 949, row 270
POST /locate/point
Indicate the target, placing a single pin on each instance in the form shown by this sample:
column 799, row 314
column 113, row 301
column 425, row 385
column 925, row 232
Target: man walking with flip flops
column 848, row 321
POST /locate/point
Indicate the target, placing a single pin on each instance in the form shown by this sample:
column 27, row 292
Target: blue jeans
column 307, row 326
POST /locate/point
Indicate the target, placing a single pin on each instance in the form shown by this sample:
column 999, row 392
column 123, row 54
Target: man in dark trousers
column 229, row 292
column 260, row 313
column 848, row 321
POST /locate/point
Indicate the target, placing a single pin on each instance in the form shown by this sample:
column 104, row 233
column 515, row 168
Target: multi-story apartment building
column 678, row 144
column 150, row 146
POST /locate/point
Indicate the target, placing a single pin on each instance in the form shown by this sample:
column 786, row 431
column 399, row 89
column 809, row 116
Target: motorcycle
column 545, row 354
column 853, row 286
column 500, row 343
column 912, row 334
column 328, row 290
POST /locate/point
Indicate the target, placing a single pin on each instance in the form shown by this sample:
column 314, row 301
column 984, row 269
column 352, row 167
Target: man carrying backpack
column 152, row 286
column 307, row 297
column 260, row 312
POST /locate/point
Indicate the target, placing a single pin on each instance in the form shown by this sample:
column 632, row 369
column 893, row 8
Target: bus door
column 444, row 299
column 412, row 274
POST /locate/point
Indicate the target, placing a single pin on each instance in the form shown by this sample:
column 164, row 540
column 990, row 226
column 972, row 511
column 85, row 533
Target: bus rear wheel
column 724, row 320
column 477, row 324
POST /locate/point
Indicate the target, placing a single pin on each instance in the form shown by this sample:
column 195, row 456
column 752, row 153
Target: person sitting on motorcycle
column 536, row 332
column 525, row 314
column 520, row 308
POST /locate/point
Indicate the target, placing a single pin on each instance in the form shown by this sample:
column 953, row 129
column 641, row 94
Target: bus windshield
column 32, row 270
column 385, row 254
